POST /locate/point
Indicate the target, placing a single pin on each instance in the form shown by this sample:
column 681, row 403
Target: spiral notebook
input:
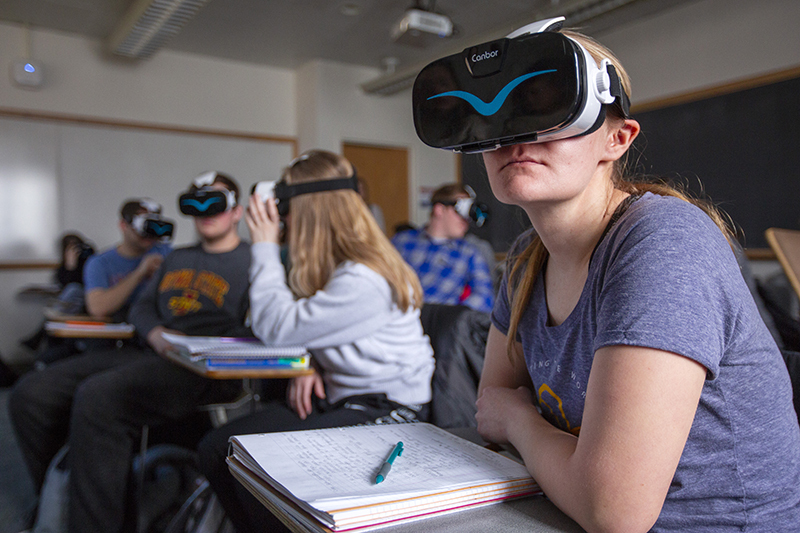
column 324, row 479
column 199, row 348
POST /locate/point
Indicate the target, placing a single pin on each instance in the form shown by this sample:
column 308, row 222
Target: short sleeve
column 94, row 274
column 670, row 282
column 501, row 315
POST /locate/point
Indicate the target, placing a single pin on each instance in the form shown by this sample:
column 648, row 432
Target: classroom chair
column 458, row 337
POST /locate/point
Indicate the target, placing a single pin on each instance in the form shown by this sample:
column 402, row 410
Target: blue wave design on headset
column 161, row 230
column 490, row 108
column 201, row 206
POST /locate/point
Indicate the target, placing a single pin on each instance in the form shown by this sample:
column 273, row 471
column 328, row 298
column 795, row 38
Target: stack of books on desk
column 325, row 479
column 238, row 353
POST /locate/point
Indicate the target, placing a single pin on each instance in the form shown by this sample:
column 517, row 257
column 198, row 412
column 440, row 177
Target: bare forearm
column 105, row 302
column 584, row 486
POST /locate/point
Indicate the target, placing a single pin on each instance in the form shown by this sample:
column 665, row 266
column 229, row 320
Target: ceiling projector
column 419, row 27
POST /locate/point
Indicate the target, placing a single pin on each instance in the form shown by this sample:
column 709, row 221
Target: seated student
column 112, row 279
column 451, row 269
column 627, row 361
column 350, row 299
column 99, row 401
column 115, row 277
column 74, row 253
column 69, row 278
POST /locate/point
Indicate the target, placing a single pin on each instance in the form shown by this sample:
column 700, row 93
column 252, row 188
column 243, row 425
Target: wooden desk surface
column 40, row 292
column 198, row 367
column 89, row 330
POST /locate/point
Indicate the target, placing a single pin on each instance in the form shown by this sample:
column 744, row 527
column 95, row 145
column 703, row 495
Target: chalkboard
column 61, row 175
column 742, row 150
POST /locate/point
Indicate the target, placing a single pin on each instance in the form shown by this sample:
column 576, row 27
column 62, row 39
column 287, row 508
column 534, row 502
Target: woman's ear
column 620, row 138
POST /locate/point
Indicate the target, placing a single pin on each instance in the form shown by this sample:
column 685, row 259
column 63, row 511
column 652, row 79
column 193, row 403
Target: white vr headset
column 535, row 85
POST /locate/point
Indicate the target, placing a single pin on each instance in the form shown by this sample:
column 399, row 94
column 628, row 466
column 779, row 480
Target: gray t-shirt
column 664, row 277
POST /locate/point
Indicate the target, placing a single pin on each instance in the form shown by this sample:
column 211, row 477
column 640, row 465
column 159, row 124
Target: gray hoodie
column 355, row 332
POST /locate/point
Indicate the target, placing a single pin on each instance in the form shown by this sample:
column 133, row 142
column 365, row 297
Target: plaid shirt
column 452, row 271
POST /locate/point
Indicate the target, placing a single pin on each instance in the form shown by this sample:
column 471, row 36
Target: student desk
column 533, row 515
column 198, row 367
column 41, row 293
column 251, row 393
column 536, row 514
column 85, row 327
column 786, row 245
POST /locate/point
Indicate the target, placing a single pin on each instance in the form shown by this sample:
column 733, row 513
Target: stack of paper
column 325, row 479
column 231, row 352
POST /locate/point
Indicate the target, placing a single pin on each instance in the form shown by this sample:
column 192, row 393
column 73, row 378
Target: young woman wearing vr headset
column 349, row 298
column 627, row 361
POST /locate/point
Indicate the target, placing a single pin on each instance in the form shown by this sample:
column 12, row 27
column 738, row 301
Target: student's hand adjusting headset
column 283, row 192
column 535, row 85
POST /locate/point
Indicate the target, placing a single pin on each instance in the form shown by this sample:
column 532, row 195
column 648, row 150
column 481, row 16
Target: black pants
column 244, row 510
column 98, row 403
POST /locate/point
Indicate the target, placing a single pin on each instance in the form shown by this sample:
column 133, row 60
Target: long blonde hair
column 524, row 267
column 328, row 228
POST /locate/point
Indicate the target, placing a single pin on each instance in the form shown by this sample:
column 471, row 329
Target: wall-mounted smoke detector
column 26, row 72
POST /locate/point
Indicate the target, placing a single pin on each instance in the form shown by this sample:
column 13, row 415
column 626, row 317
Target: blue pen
column 387, row 465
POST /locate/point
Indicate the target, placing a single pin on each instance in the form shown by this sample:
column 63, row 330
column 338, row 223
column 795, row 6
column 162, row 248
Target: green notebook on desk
column 324, row 480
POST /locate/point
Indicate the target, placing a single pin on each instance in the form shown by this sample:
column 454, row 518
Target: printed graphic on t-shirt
column 553, row 409
column 557, row 378
column 193, row 285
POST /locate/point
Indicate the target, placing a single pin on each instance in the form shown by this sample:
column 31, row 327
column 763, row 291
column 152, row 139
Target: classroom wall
column 351, row 116
column 169, row 89
column 706, row 44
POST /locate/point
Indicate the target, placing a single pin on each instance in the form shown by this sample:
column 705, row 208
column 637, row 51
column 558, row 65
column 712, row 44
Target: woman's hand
column 300, row 391
column 498, row 409
column 263, row 220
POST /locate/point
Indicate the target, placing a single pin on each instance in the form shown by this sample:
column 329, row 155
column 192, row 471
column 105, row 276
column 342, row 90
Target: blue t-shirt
column 664, row 277
column 451, row 271
column 108, row 268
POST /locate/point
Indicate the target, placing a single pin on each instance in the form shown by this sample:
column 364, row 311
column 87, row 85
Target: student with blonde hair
column 627, row 361
column 349, row 298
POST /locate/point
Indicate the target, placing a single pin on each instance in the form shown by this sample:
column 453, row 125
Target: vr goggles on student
column 206, row 201
column 283, row 192
column 535, row 85
column 150, row 224
column 469, row 208
column 153, row 226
